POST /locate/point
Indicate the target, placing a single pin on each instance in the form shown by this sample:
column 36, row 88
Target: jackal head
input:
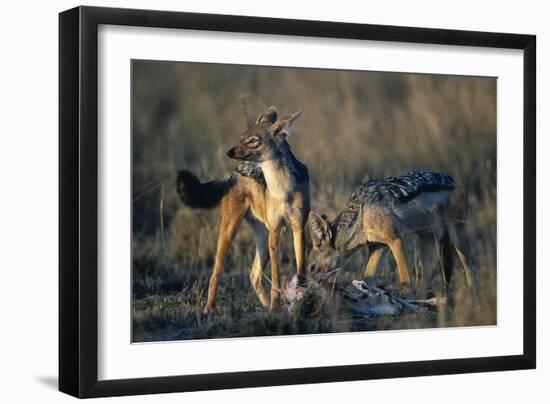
column 260, row 141
column 324, row 258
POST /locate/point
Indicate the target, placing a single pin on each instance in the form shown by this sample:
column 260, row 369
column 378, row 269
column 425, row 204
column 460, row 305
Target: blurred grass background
column 355, row 126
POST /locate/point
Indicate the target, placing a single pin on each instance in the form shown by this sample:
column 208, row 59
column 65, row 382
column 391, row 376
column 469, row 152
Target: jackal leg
column 418, row 257
column 427, row 261
column 299, row 250
column 459, row 241
column 445, row 261
column 260, row 260
column 231, row 216
column 398, row 251
column 376, row 253
column 273, row 238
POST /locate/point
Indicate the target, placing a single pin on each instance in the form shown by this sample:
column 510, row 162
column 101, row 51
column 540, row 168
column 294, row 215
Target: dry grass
column 354, row 126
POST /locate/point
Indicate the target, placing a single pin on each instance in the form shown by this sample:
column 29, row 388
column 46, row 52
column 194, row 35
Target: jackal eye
column 253, row 142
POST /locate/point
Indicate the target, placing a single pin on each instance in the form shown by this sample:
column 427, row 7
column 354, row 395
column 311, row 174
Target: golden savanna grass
column 354, row 126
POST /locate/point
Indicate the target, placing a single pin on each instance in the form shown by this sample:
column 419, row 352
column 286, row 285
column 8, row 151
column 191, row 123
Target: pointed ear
column 270, row 115
column 319, row 230
column 283, row 127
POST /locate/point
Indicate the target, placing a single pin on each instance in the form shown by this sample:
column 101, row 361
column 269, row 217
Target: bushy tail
column 195, row 194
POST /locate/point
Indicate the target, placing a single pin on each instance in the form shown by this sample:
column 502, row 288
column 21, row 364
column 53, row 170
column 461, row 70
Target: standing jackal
column 381, row 213
column 269, row 188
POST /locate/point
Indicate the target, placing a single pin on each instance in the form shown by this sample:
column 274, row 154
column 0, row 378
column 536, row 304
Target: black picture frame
column 78, row 201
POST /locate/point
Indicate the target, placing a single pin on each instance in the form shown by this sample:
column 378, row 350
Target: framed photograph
column 251, row 201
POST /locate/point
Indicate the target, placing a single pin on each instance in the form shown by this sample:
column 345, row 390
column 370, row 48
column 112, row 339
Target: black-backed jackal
column 269, row 188
column 381, row 213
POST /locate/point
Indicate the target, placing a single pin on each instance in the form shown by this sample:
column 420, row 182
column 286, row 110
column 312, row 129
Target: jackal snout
column 238, row 153
column 231, row 153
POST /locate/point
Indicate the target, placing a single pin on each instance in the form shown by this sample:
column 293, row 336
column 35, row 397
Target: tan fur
column 376, row 253
column 428, row 216
column 284, row 200
column 425, row 218
column 272, row 212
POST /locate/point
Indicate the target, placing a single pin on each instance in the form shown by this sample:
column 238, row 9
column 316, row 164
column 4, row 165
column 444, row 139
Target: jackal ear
column 270, row 115
column 319, row 230
column 283, row 127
